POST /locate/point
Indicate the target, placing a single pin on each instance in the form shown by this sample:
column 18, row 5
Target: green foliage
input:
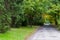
column 16, row 13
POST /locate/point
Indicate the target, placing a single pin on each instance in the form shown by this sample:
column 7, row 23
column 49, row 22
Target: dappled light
column 15, row 14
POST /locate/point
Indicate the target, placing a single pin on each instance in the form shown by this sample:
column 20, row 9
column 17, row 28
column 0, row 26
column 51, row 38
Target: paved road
column 46, row 33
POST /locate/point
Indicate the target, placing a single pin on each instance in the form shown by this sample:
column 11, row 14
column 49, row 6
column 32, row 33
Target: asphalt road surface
column 46, row 33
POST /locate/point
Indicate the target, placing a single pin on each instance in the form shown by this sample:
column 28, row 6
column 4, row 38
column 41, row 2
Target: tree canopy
column 15, row 13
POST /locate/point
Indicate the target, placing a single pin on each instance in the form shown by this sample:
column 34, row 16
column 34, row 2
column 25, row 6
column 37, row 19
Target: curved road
column 46, row 33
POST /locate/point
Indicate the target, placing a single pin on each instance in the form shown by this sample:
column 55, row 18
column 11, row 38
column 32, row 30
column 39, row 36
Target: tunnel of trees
column 17, row 13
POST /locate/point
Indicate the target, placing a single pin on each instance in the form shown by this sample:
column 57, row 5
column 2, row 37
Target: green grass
column 17, row 33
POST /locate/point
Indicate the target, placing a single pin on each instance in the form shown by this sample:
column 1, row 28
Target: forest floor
column 46, row 33
column 17, row 33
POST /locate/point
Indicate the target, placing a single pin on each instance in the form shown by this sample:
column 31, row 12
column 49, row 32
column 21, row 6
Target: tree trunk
column 55, row 20
column 7, row 5
column 13, row 19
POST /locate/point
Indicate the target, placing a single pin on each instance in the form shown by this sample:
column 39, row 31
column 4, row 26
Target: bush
column 4, row 29
column 58, row 26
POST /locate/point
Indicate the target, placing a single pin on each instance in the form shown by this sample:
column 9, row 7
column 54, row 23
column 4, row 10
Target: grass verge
column 17, row 33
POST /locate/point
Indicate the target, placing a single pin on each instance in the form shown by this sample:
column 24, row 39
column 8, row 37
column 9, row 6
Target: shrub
column 4, row 29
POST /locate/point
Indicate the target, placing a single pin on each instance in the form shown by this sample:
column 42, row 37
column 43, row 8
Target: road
column 46, row 33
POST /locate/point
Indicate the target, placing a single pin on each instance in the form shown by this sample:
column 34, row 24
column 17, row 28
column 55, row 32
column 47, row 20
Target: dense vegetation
column 16, row 13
